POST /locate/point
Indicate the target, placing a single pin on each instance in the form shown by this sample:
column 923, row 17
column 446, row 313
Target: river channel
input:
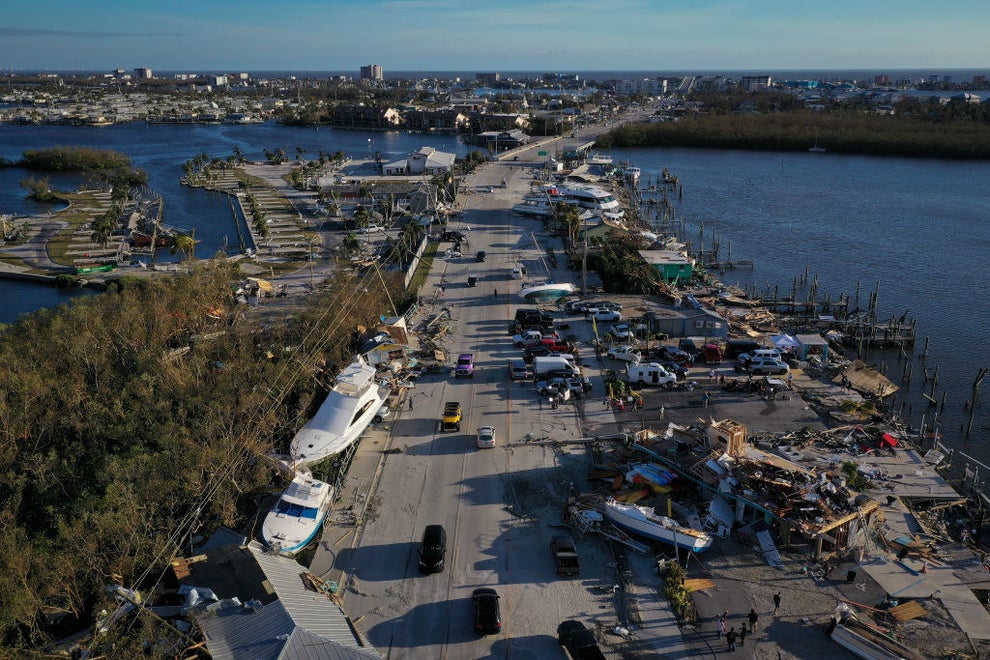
column 920, row 228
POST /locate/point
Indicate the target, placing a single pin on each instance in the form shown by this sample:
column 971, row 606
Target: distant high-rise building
column 141, row 72
column 756, row 83
column 488, row 78
column 371, row 72
column 882, row 79
column 979, row 80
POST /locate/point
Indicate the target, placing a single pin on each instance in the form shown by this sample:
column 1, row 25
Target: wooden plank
column 698, row 584
column 907, row 611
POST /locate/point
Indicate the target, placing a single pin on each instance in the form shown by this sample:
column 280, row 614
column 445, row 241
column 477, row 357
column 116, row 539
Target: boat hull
column 639, row 520
column 543, row 293
column 297, row 516
column 342, row 418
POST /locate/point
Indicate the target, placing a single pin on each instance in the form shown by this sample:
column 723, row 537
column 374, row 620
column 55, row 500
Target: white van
column 546, row 365
column 650, row 374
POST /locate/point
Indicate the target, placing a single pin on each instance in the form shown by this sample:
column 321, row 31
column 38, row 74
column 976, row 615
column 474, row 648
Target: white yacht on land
column 298, row 514
column 595, row 199
column 646, row 522
column 346, row 413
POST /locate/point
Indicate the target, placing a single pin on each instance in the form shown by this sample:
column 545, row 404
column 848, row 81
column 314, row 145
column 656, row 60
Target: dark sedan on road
column 487, row 616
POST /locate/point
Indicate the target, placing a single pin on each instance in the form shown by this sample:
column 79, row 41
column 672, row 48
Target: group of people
column 731, row 636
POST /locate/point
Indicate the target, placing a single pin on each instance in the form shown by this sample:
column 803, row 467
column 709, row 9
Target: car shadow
column 542, row 647
column 446, row 622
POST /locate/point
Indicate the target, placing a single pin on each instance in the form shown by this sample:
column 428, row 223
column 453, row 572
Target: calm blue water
column 921, row 228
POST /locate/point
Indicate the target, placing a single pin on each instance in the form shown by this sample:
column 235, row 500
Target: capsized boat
column 548, row 291
column 298, row 514
column 646, row 522
column 344, row 415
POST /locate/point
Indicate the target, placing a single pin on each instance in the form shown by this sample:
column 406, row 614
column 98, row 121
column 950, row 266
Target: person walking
column 730, row 637
column 776, row 602
column 662, row 411
column 711, row 375
column 721, row 627
column 742, row 635
column 410, row 403
column 754, row 619
column 706, row 398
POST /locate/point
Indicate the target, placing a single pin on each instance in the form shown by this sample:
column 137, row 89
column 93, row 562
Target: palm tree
column 183, row 244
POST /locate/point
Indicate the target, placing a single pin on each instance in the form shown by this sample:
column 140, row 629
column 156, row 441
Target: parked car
column 675, row 354
column 519, row 370
column 370, row 229
column 487, row 615
column 591, row 305
column 574, row 306
column 382, row 414
column 536, row 351
column 625, row 353
column 547, row 387
column 621, row 331
column 736, row 347
column 678, row 370
column 767, row 365
column 528, row 338
column 579, row 641
column 687, row 345
column 604, row 315
column 480, row 256
column 565, row 555
column 486, row 437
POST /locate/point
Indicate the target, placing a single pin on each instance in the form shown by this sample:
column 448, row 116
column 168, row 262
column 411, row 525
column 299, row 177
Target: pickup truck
column 554, row 345
column 529, row 338
column 565, row 556
column 579, row 641
column 465, row 366
column 451, row 421
column 625, row 353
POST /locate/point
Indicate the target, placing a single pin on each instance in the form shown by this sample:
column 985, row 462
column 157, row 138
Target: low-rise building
column 425, row 161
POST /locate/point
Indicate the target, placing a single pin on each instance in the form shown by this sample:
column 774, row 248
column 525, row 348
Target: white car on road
column 486, row 437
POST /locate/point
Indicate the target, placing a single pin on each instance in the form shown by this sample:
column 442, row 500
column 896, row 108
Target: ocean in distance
column 921, row 228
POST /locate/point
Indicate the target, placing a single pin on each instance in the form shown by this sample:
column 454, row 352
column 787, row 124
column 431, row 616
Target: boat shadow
column 376, row 563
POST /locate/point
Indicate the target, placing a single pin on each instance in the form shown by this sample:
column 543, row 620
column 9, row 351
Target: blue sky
column 507, row 35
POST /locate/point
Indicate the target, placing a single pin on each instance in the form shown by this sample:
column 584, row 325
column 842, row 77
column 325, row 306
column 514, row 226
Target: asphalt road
column 444, row 478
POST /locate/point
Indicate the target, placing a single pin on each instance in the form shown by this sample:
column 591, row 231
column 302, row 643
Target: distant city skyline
column 535, row 35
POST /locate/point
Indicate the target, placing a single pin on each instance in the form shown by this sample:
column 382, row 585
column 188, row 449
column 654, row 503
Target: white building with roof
column 425, row 161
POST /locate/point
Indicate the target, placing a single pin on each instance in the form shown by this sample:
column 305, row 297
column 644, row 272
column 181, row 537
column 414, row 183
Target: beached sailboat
column 297, row 515
column 344, row 415
column 645, row 522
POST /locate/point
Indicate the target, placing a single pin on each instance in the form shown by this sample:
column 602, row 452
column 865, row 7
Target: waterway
column 920, row 228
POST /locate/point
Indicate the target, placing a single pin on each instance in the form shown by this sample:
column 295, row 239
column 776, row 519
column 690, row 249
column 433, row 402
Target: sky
column 507, row 35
